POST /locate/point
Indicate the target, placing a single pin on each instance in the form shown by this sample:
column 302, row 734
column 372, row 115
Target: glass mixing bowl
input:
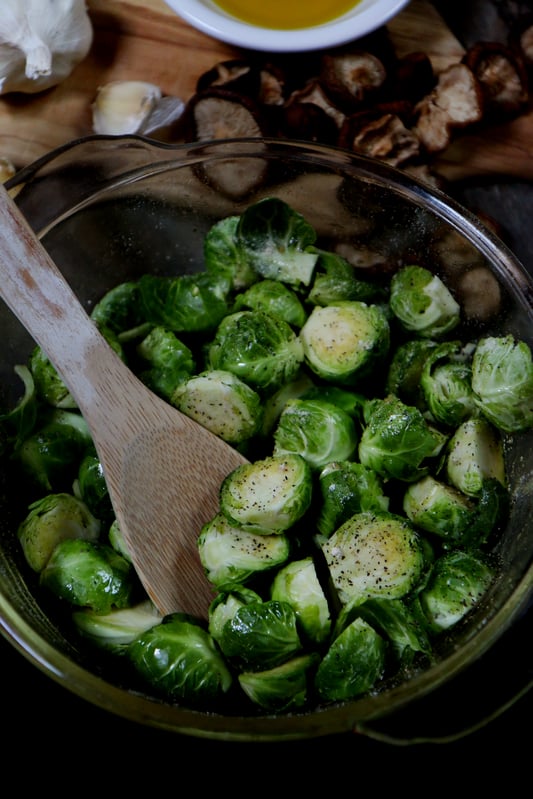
column 110, row 209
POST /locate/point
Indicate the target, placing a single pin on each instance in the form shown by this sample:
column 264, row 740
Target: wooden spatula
column 162, row 469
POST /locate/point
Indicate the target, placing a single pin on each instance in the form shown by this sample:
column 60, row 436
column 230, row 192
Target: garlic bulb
column 122, row 106
column 41, row 41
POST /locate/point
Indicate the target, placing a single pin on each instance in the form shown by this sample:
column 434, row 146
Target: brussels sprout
column 335, row 280
column 120, row 310
column 231, row 555
column 257, row 347
column 89, row 574
column 276, row 239
column 276, row 299
column 284, row 687
column 456, row 583
column 343, row 342
column 422, row 303
column 475, row 454
column 114, row 631
column 397, row 440
column 347, row 488
column 350, row 401
column 405, row 371
column 456, row 518
column 18, row 422
column 49, row 386
column 223, row 254
column 116, row 540
column 91, row 487
column 318, row 430
column 274, row 404
column 297, row 583
column 170, row 361
column 446, row 383
column 222, row 403
column 352, row 664
column 50, row 454
column 374, row 555
column 226, row 604
column 398, row 625
column 260, row 635
column 502, row 381
column 269, row 495
column 439, row 509
column 186, row 303
column 50, row 520
column 180, row 659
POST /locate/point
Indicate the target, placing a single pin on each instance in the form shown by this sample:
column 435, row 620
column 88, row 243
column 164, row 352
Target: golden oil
column 287, row 14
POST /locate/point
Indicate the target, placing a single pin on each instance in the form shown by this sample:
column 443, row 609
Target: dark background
column 49, row 733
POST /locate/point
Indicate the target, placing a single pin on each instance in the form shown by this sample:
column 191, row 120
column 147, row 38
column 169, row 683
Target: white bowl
column 365, row 17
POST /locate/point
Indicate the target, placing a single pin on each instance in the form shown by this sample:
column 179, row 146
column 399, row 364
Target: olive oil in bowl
column 283, row 15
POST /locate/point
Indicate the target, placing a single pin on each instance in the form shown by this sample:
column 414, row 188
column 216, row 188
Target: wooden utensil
column 162, row 469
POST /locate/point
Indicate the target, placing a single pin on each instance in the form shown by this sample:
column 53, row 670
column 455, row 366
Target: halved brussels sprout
column 397, row 440
column 269, row 495
column 374, row 555
column 475, row 454
column 317, row 430
column 347, row 487
column 91, row 487
column 117, row 541
column 181, row 660
column 394, row 620
column 446, row 383
column 231, row 555
column 335, row 280
column 284, row 687
column 502, row 380
column 260, row 349
column 18, row 421
column 353, row 663
column 119, row 310
column 186, row 303
column 89, row 574
column 261, row 635
column 49, row 456
column 405, row 370
column 276, row 299
column 456, row 583
column 50, row 520
column 168, row 361
column 457, row 519
column 275, row 238
column 222, row 403
column 422, row 303
column 225, row 605
column 49, row 385
column 297, row 583
column 223, row 255
column 342, row 342
column 114, row 631
column 439, row 508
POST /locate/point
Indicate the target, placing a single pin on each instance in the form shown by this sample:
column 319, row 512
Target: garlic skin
column 122, row 106
column 41, row 41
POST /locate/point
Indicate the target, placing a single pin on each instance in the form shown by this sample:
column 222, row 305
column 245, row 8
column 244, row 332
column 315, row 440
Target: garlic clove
column 122, row 106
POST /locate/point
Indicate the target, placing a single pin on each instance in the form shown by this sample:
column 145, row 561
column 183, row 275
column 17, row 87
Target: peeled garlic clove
column 122, row 106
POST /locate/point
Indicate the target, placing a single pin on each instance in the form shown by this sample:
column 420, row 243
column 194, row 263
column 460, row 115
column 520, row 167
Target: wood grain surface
column 146, row 40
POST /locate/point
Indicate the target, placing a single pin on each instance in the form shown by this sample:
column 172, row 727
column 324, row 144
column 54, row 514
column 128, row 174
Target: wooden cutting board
column 146, row 40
